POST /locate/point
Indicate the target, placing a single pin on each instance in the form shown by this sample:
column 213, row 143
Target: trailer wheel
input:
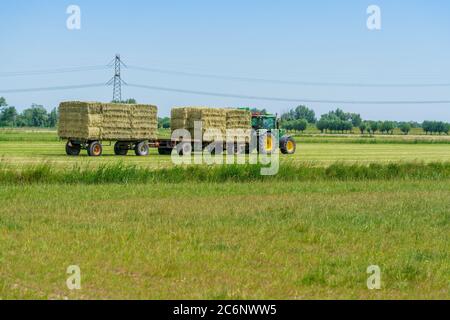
column 214, row 149
column 120, row 149
column 236, row 148
column 72, row 149
column 142, row 149
column 184, row 148
column 165, row 151
column 287, row 145
column 95, row 149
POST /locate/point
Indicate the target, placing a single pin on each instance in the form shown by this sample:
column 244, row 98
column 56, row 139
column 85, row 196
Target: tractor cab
column 264, row 124
column 264, row 121
column 269, row 122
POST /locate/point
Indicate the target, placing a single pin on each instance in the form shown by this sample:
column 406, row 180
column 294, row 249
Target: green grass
column 283, row 240
column 141, row 228
column 309, row 136
column 125, row 174
column 20, row 153
column 372, row 139
column 28, row 135
column 44, row 134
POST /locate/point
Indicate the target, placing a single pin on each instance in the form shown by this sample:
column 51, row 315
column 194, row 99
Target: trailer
column 88, row 125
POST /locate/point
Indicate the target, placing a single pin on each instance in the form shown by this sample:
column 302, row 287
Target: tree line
column 298, row 119
column 35, row 116
column 435, row 127
column 339, row 121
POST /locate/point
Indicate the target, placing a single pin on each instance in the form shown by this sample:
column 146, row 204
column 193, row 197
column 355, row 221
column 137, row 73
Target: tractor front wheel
column 288, row 145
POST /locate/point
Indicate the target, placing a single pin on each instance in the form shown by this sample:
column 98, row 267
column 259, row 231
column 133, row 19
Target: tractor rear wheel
column 287, row 145
column 266, row 143
column 120, row 149
column 72, row 149
column 95, row 149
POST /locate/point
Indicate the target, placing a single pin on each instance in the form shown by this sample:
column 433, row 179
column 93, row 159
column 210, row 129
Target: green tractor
column 268, row 123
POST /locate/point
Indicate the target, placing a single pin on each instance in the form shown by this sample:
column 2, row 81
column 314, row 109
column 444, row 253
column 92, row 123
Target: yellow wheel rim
column 269, row 144
column 290, row 146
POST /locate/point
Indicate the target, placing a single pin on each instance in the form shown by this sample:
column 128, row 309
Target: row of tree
column 35, row 116
column 435, row 127
column 164, row 123
column 299, row 113
column 386, row 127
column 339, row 121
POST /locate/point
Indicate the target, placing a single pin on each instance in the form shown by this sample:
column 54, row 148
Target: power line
column 230, row 95
column 52, row 71
column 279, row 99
column 69, row 87
column 289, row 82
column 220, row 77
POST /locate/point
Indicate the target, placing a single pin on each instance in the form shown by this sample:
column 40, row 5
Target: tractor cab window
column 269, row 123
column 264, row 123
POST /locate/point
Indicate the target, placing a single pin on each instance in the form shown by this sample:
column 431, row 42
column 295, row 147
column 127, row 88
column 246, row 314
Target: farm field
column 30, row 147
column 294, row 240
column 309, row 237
column 17, row 154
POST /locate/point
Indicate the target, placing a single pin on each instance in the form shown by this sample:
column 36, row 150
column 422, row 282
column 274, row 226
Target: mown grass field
column 228, row 235
column 295, row 240
column 17, row 154
column 30, row 147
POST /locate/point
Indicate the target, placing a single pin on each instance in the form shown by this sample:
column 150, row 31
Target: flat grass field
column 17, row 154
column 30, row 147
column 236, row 239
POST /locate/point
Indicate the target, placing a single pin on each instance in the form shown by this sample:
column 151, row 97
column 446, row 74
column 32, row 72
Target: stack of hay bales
column 103, row 121
column 239, row 119
column 212, row 119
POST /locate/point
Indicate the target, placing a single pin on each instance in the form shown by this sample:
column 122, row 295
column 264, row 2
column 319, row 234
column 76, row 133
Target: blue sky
column 318, row 41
